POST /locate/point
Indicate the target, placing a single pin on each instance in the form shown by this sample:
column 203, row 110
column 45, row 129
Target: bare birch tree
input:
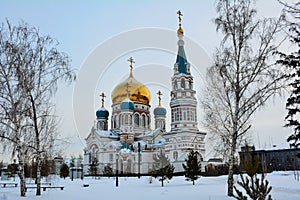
column 243, row 76
column 31, row 68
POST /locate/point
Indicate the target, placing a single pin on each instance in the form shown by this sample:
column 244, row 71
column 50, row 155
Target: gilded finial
column 131, row 60
column 103, row 96
column 180, row 30
column 159, row 98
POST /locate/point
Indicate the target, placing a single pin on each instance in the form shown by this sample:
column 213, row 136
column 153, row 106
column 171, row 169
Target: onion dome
column 160, row 111
column 102, row 113
column 132, row 89
column 127, row 104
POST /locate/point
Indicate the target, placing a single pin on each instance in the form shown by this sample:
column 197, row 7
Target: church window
column 119, row 120
column 111, row 157
column 143, row 121
column 148, row 121
column 179, row 114
column 182, row 83
column 175, row 155
column 190, row 84
column 136, row 119
column 112, row 122
column 189, row 117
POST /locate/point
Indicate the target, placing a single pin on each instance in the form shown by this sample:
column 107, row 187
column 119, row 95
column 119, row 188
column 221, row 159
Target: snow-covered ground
column 214, row 188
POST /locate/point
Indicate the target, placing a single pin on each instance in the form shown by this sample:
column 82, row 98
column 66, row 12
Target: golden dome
column 136, row 90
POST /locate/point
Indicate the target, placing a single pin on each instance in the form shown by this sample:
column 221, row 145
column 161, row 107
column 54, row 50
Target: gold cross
column 131, row 61
column 103, row 96
column 179, row 16
column 159, row 98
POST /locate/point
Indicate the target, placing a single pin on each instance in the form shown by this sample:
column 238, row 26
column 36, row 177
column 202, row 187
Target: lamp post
column 139, row 159
column 117, row 166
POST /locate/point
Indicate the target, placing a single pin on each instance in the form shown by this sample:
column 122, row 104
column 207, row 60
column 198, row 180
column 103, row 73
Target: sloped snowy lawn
column 214, row 188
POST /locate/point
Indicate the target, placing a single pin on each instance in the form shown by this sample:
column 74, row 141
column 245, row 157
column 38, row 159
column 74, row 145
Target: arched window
column 148, row 121
column 184, row 116
column 112, row 122
column 143, row 121
column 183, row 83
column 120, row 122
column 136, row 120
column 126, row 119
column 94, row 152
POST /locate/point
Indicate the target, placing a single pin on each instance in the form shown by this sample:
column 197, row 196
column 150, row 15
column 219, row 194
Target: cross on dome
column 103, row 96
column 179, row 16
column 131, row 60
column 180, row 30
column 159, row 98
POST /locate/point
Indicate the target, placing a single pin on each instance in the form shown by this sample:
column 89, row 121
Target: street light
column 139, row 159
column 117, row 178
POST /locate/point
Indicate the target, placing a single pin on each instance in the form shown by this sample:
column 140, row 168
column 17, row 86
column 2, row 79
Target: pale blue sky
column 82, row 27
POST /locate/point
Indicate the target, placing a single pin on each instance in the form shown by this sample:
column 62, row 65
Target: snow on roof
column 273, row 148
column 106, row 133
column 142, row 142
column 114, row 143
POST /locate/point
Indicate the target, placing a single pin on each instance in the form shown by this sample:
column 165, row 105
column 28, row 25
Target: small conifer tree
column 108, row 170
column 162, row 168
column 193, row 166
column 255, row 188
column 64, row 170
column 93, row 168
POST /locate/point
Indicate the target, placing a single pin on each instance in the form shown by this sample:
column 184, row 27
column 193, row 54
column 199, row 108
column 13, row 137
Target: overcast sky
column 100, row 36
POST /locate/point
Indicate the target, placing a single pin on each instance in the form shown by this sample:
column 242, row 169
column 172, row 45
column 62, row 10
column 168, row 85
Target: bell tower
column 184, row 135
column 183, row 97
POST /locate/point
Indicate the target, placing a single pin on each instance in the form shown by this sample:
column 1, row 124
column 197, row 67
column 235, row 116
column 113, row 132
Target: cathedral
column 130, row 144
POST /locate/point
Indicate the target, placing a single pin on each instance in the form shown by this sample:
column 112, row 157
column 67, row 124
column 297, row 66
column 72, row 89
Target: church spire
column 181, row 65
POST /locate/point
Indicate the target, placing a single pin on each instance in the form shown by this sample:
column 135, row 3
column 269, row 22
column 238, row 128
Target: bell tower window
column 182, row 83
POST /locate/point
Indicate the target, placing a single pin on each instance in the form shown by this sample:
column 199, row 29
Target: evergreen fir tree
column 193, row 166
column 64, row 170
column 254, row 187
column 93, row 168
column 291, row 61
column 162, row 168
column 108, row 170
